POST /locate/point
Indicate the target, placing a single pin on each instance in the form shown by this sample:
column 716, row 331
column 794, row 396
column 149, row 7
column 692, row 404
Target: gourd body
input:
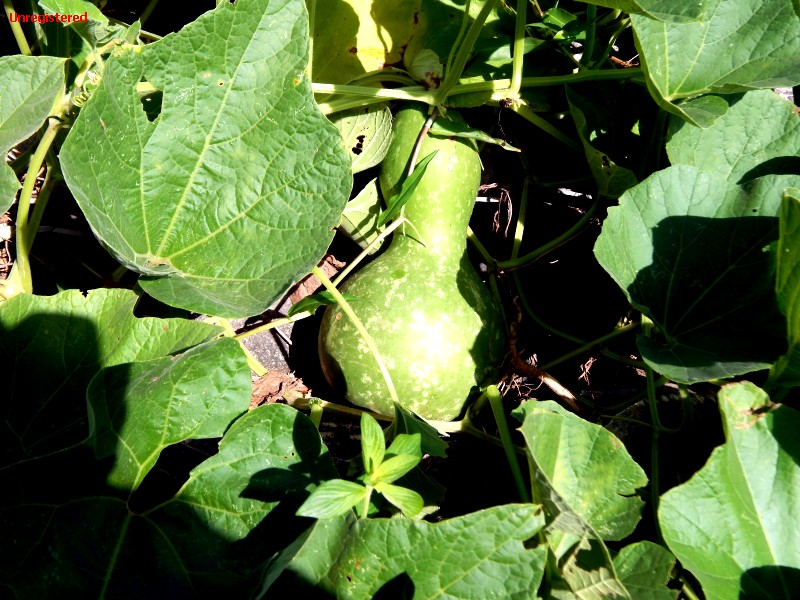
column 436, row 326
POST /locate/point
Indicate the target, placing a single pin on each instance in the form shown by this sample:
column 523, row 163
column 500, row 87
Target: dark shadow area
column 785, row 428
column 773, row 582
column 49, row 359
column 400, row 587
column 710, row 288
column 780, row 165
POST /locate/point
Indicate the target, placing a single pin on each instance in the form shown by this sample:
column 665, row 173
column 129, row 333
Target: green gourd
column 436, row 326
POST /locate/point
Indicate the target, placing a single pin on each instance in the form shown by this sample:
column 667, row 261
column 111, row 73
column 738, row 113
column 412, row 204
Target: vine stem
column 459, row 62
column 345, row 306
column 519, row 49
column 652, row 400
column 533, row 256
column 22, row 268
column 339, row 278
column 496, row 402
column 16, row 29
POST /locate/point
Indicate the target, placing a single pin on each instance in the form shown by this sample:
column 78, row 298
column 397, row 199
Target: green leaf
column 201, row 391
column 410, row 183
column 405, row 443
column 96, row 30
column 590, row 121
column 407, row 423
column 31, row 85
column 394, row 468
column 665, row 10
column 225, row 217
column 588, row 573
column 452, row 128
column 360, row 216
column 367, row 133
column 373, row 443
column 732, row 523
column 735, row 46
column 314, row 301
column 353, row 37
column 758, row 134
column 787, row 370
column 56, row 344
column 332, row 498
column 214, row 535
column 480, row 555
column 586, row 466
column 408, row 501
column 687, row 248
column 645, row 568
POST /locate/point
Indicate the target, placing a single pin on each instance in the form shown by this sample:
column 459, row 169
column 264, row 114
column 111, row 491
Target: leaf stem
column 16, row 29
column 311, row 6
column 345, row 306
column 496, row 402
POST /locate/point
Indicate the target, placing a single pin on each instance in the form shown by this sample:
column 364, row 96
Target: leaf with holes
column 31, row 85
column 231, row 192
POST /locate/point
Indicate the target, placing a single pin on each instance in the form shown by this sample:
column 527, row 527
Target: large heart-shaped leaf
column 736, row 45
column 230, row 194
column 30, row 87
column 212, row 537
column 733, row 524
column 54, row 345
column 687, row 245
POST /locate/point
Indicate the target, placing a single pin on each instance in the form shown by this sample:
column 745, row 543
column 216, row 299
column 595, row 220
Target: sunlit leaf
column 224, row 216
column 732, row 523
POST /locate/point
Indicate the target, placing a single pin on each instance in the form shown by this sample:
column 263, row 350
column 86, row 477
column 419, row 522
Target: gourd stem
column 496, row 402
column 361, row 330
column 339, row 278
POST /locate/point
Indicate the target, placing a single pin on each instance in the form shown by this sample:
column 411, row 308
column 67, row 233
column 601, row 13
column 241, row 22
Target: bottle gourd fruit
column 436, row 326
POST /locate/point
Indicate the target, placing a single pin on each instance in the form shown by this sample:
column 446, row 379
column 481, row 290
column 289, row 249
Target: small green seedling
column 382, row 466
